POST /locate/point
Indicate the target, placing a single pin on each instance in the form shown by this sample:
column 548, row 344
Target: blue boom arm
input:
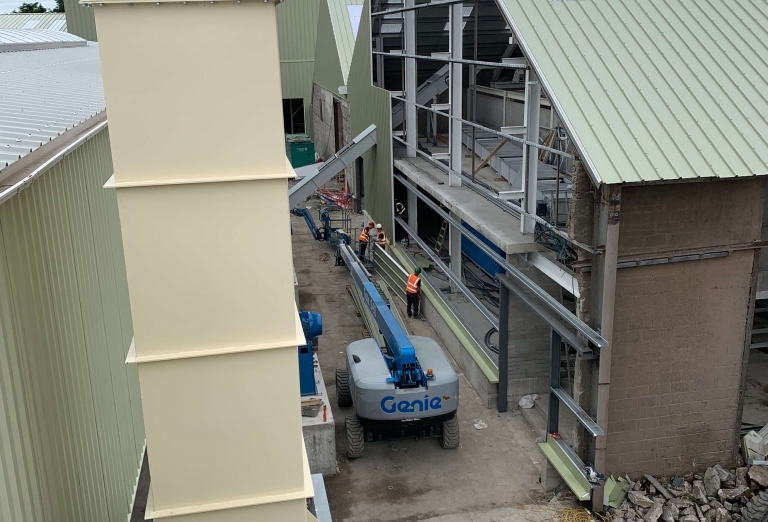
column 304, row 212
column 403, row 365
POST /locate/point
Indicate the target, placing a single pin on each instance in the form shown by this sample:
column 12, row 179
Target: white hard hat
column 378, row 225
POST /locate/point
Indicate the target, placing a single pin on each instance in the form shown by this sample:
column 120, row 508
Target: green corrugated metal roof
column 654, row 89
column 52, row 21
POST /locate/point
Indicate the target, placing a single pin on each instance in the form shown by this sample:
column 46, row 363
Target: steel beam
column 456, row 41
column 553, row 420
column 555, row 271
column 415, row 6
column 413, row 206
column 501, row 400
column 411, row 122
column 547, row 317
column 448, row 57
column 553, row 305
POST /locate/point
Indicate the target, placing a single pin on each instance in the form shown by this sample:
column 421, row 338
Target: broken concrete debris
column 719, row 495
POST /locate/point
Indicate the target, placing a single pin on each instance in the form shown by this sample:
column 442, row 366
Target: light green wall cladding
column 297, row 32
column 335, row 44
column 71, row 427
column 80, row 20
column 367, row 105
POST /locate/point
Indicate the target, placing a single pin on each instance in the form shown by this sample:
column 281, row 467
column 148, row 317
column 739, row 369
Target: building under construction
column 581, row 180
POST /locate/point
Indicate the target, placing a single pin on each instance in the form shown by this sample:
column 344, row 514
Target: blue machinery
column 402, row 363
column 327, row 231
column 312, row 324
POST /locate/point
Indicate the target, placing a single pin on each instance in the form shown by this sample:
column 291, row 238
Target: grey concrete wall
column 529, row 340
column 323, row 125
column 681, row 329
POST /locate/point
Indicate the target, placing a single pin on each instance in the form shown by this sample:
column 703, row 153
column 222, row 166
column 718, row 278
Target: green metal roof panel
column 654, row 89
column 50, row 21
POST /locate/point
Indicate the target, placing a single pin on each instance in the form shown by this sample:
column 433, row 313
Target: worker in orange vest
column 381, row 237
column 364, row 238
column 413, row 292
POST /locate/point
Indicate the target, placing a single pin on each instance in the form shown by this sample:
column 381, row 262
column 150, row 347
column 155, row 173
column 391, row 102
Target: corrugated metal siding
column 367, row 105
column 328, row 73
column 342, row 30
column 654, row 89
column 80, row 20
column 71, row 422
column 297, row 32
column 45, row 21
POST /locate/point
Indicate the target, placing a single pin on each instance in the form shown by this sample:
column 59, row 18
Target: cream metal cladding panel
column 654, row 89
column 369, row 104
column 179, row 141
column 71, row 428
column 80, row 20
column 205, row 227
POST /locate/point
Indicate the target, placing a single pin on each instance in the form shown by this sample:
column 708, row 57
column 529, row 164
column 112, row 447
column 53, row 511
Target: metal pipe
column 501, row 399
column 513, row 271
column 417, row 6
column 29, row 178
column 511, row 137
column 454, row 60
column 453, row 277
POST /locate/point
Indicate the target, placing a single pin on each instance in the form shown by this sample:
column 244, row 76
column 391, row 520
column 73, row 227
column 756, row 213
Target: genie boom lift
column 406, row 384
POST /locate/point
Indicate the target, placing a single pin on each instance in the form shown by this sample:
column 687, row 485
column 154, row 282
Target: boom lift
column 327, row 231
column 406, row 384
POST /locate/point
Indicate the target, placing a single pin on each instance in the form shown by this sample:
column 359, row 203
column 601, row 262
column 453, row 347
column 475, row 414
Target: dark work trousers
column 413, row 304
column 363, row 245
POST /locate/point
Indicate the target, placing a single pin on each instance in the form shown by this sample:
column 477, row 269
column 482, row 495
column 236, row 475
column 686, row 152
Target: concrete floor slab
column 412, row 480
column 500, row 227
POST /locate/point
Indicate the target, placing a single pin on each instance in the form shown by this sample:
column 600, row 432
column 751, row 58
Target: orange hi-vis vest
column 364, row 235
column 382, row 239
column 412, row 287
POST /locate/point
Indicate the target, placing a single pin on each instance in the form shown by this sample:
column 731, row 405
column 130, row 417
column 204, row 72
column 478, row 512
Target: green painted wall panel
column 71, row 430
column 297, row 32
column 367, row 105
column 327, row 65
column 80, row 20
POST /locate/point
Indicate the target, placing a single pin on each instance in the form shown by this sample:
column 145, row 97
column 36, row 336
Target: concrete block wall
column 678, row 348
column 680, row 332
column 323, row 124
column 529, row 340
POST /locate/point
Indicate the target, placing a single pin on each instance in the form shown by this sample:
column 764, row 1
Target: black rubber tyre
column 450, row 436
column 757, row 509
column 343, row 395
column 355, row 437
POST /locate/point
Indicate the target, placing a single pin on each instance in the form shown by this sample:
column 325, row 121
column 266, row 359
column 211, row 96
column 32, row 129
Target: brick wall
column 680, row 329
column 677, row 358
column 529, row 341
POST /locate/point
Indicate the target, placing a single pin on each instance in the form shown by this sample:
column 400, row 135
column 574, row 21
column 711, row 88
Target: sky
column 7, row 6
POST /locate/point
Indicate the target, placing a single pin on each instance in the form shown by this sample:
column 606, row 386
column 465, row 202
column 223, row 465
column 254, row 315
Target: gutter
column 27, row 180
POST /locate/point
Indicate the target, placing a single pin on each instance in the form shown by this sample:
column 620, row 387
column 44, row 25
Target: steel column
column 501, row 400
column 454, row 246
column 413, row 206
column 456, row 39
column 411, row 121
column 531, row 154
column 610, row 212
column 553, row 423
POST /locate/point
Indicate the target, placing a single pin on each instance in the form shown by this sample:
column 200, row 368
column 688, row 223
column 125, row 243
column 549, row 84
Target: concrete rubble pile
column 719, row 495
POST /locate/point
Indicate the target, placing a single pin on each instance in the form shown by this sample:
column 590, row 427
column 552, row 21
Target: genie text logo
column 389, row 404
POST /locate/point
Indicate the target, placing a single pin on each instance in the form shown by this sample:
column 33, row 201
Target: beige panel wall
column 200, row 171
column 170, row 130
column 215, row 279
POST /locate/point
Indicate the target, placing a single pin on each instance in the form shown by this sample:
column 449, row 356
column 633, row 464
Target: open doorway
column 293, row 116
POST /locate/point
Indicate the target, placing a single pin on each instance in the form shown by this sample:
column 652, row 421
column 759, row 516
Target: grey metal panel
column 45, row 93
column 654, row 90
